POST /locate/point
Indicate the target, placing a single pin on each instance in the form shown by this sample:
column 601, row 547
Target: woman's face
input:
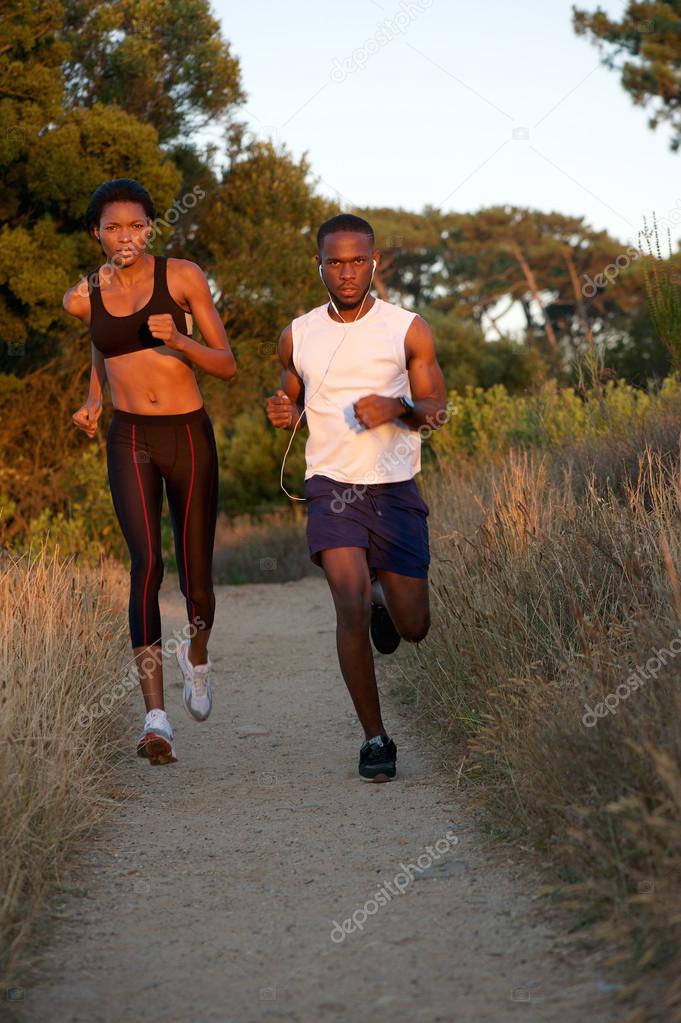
column 124, row 228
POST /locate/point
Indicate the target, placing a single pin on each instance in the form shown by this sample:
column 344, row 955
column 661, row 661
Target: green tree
column 163, row 61
column 542, row 263
column 644, row 46
column 411, row 247
column 251, row 453
column 31, row 82
column 256, row 232
column 468, row 360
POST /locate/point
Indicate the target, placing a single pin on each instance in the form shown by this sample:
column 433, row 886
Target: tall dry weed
column 555, row 588
column 64, row 641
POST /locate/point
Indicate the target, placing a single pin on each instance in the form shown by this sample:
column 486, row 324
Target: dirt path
column 212, row 893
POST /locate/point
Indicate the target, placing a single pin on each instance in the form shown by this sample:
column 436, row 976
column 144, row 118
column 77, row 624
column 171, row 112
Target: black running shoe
column 384, row 635
column 377, row 759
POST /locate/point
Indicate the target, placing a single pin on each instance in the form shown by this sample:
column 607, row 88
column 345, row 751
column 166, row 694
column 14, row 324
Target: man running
column 364, row 373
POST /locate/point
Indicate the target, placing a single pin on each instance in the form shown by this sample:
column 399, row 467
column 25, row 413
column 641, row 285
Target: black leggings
column 142, row 451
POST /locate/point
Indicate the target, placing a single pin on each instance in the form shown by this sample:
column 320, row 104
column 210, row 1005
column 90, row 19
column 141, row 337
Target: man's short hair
column 344, row 222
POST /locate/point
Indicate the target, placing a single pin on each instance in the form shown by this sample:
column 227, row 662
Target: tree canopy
column 644, row 46
column 164, row 61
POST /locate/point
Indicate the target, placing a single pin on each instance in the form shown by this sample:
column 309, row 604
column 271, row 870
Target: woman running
column 139, row 308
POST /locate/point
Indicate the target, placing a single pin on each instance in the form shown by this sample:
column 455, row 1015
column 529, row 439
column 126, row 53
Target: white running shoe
column 156, row 738
column 197, row 694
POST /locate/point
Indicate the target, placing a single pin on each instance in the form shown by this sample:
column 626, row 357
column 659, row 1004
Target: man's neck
column 348, row 315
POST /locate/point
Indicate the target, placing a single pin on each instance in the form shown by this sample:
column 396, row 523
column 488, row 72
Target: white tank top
column 370, row 360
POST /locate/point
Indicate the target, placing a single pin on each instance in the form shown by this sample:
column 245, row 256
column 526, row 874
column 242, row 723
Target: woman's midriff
column 159, row 381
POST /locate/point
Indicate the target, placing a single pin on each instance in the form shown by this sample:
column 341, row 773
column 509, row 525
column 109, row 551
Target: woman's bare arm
column 76, row 302
column 215, row 356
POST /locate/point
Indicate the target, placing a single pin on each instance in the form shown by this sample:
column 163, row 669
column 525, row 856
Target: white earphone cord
column 308, row 400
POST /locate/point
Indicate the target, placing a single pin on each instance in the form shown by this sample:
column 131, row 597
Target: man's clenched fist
column 280, row 410
column 375, row 409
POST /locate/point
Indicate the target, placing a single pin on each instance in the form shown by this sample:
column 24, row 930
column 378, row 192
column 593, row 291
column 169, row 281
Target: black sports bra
column 119, row 335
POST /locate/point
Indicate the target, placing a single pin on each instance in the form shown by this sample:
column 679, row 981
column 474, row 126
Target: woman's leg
column 192, row 489
column 137, row 491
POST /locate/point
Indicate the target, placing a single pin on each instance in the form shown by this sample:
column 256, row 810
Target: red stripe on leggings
column 186, row 518
column 146, row 520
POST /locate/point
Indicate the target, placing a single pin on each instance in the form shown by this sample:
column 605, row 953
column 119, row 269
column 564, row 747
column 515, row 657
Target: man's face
column 346, row 261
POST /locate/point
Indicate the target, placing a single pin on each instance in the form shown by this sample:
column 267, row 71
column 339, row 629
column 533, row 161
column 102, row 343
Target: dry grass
column 554, row 577
column 64, row 636
column 269, row 549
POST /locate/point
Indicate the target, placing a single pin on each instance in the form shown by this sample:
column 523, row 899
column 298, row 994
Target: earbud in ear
column 375, row 264
column 320, row 270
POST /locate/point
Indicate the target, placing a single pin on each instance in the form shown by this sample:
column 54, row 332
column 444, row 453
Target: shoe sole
column 380, row 777
column 156, row 750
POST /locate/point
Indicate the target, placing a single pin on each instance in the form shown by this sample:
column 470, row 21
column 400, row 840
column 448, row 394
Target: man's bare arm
column 286, row 407
column 426, row 379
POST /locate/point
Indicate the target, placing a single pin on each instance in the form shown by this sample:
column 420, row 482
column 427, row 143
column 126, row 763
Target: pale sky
column 406, row 103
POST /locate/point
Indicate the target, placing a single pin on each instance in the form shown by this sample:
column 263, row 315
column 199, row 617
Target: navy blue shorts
column 387, row 519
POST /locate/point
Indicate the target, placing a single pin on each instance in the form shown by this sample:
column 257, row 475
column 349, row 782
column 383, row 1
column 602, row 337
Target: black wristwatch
column 407, row 404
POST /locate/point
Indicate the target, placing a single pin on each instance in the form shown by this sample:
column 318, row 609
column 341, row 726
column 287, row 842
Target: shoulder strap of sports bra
column 161, row 278
column 161, row 286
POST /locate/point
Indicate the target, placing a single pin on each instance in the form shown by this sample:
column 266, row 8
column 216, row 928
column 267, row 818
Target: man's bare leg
column 347, row 574
column 407, row 600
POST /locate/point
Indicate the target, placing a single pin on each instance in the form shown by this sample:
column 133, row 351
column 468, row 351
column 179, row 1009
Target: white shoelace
column 199, row 683
column 156, row 717
column 199, row 676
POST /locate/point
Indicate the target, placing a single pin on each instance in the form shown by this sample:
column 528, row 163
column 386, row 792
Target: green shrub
column 486, row 424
